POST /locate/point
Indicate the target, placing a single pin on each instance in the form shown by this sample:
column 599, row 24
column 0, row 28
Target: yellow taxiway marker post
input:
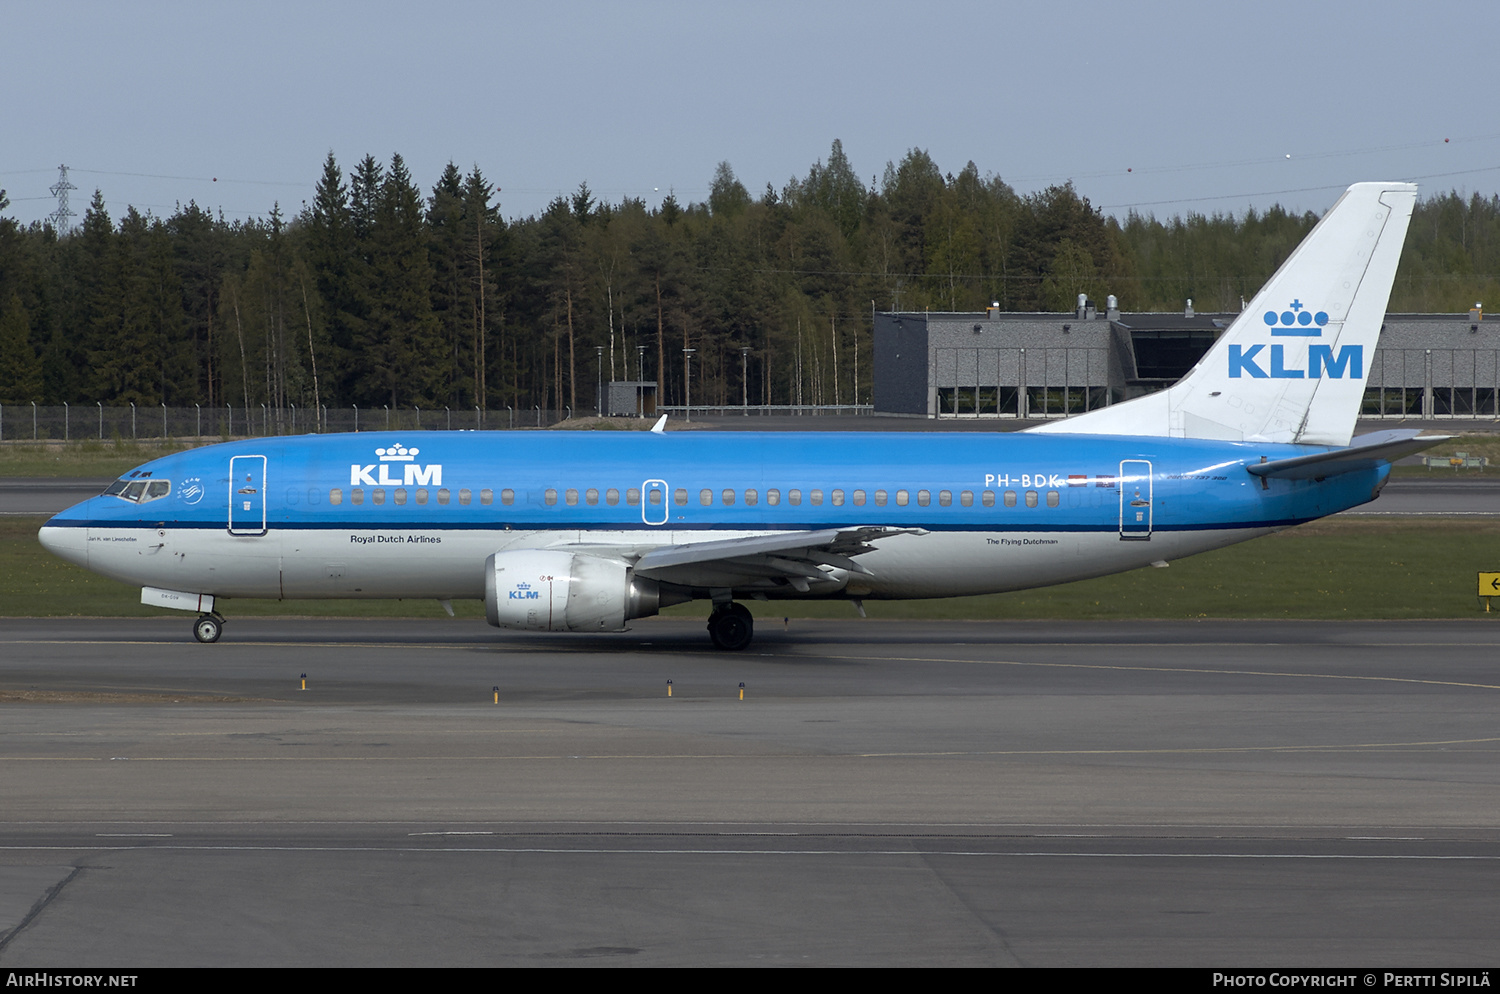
column 304, row 681
column 1489, row 586
column 669, row 688
column 742, row 690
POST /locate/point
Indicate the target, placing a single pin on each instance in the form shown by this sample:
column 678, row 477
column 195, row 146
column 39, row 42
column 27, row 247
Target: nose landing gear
column 731, row 627
column 208, row 628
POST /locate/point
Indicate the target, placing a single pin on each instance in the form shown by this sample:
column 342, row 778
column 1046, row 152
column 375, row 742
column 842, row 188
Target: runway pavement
column 1214, row 794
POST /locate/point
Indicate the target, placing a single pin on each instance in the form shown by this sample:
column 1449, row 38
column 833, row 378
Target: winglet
column 660, row 426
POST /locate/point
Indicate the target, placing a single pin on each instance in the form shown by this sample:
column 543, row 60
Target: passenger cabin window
column 633, row 496
column 1053, row 498
column 773, row 497
column 507, row 497
column 903, row 498
column 655, row 498
column 357, row 495
column 377, row 496
column 816, row 497
column 550, row 497
column 966, row 498
column 859, row 498
column 422, row 495
column 838, row 498
column 443, row 496
column 464, row 495
column 705, row 497
column 571, row 496
column 611, row 497
column 400, row 494
column 751, row 497
column 486, row 497
column 945, row 498
column 591, row 497
column 1010, row 498
column 988, row 498
column 794, row 498
column 880, row 498
column 1031, row 498
column 335, row 496
column 728, row 497
column 679, row 497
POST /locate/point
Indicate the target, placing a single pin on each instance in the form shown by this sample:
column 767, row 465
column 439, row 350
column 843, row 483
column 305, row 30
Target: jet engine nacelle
column 542, row 590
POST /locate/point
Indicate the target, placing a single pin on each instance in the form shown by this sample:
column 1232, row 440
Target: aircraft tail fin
column 1292, row 366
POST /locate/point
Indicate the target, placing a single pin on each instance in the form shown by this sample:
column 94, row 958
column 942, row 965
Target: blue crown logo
column 1296, row 321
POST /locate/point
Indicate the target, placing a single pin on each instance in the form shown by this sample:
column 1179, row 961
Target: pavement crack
column 37, row 908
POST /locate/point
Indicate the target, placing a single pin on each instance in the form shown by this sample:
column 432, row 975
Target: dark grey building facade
column 1009, row 365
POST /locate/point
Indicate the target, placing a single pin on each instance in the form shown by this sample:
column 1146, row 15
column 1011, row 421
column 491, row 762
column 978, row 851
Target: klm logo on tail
column 1297, row 322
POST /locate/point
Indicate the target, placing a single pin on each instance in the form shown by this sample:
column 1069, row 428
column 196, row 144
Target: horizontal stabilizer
column 1366, row 452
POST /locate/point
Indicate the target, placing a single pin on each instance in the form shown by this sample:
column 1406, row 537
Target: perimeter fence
column 84, row 422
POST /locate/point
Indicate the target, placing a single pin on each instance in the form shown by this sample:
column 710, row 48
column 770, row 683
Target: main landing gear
column 208, row 628
column 731, row 626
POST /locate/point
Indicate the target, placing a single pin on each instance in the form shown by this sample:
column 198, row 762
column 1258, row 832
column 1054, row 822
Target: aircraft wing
column 803, row 560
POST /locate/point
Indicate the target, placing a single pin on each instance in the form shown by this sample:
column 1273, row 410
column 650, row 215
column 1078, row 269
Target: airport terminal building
column 1045, row 365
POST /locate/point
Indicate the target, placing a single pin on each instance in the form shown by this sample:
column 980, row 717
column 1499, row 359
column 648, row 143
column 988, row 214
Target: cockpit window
column 139, row 491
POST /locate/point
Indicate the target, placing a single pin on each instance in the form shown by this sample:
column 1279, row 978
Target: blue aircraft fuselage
column 416, row 514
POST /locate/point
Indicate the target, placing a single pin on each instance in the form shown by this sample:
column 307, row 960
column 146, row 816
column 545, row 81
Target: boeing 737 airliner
column 582, row 532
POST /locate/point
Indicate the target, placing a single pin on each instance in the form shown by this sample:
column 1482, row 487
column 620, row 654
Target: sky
column 1159, row 107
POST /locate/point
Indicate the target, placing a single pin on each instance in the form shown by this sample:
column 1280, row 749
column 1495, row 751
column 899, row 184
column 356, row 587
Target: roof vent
column 1112, row 308
column 1189, row 312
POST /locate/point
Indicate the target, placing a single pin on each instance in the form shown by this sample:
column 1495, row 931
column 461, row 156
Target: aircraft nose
column 65, row 542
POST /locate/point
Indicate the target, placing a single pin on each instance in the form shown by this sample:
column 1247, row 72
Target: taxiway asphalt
column 886, row 793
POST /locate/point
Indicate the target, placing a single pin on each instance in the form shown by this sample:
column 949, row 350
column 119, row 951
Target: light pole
column 100, row 404
column 640, row 376
column 687, row 381
column 744, row 382
column 599, row 395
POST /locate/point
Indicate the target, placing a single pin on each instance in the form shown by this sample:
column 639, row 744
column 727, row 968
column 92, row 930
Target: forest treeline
column 380, row 294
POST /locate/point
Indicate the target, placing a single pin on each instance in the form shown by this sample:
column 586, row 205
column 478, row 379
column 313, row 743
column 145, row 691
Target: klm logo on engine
column 523, row 592
column 412, row 473
column 1270, row 362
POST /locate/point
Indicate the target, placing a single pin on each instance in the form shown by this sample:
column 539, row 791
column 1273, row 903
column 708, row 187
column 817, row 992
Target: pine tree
column 20, row 368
